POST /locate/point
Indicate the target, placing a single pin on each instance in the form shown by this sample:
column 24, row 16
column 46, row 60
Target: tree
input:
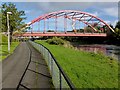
column 117, row 30
column 88, row 29
column 111, row 26
column 16, row 19
column 0, row 20
column 94, row 25
column 118, row 25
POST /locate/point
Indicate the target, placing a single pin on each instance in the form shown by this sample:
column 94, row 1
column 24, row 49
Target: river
column 109, row 50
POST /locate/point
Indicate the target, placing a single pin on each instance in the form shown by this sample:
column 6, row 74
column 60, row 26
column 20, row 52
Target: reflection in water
column 113, row 51
column 110, row 50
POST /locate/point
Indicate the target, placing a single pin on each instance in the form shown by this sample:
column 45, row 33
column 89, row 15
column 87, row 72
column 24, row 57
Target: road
column 13, row 67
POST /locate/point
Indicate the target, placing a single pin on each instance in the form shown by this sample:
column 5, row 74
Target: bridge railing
column 59, row 78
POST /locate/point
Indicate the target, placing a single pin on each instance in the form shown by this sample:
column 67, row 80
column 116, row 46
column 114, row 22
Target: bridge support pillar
column 38, row 26
column 44, row 25
column 56, row 24
column 65, row 24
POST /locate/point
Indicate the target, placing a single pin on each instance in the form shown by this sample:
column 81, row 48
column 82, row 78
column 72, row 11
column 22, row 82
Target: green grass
column 4, row 51
column 4, row 38
column 4, row 47
column 86, row 70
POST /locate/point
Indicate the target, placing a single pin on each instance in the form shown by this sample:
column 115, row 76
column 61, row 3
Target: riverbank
column 85, row 69
column 112, row 51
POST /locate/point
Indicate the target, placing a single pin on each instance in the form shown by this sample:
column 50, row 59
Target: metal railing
column 59, row 78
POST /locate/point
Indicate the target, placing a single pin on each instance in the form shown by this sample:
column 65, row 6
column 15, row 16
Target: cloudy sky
column 108, row 11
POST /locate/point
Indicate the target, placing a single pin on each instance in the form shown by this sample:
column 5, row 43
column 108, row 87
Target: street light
column 8, row 30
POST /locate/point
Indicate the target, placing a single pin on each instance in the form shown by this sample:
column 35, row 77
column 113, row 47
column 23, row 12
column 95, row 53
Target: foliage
column 4, row 39
column 80, row 30
column 86, row 70
column 117, row 30
column 0, row 20
column 16, row 19
column 50, row 31
column 56, row 41
column 96, row 26
column 88, row 29
column 118, row 25
column 117, row 33
column 111, row 26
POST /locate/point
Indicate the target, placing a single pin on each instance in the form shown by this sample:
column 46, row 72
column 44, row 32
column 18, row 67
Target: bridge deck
column 64, row 34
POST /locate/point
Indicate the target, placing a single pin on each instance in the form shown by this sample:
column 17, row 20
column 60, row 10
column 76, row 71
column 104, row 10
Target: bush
column 3, row 43
column 55, row 41
column 4, row 38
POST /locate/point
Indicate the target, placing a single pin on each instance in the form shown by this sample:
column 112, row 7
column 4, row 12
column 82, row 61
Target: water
column 113, row 51
column 109, row 50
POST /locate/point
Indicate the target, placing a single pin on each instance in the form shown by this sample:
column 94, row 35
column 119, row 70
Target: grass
column 86, row 70
column 4, row 48
column 4, row 38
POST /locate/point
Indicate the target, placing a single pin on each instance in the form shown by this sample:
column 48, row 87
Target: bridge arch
column 84, row 17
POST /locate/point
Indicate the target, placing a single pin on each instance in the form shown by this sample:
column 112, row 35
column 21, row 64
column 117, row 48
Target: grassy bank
column 4, row 47
column 86, row 70
column 4, row 50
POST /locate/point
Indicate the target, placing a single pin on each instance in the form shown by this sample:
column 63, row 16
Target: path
column 37, row 75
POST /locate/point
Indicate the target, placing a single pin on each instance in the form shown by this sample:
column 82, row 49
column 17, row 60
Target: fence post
column 60, row 80
column 48, row 59
column 51, row 66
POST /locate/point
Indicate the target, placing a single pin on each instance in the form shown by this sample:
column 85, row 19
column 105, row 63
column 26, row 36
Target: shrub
column 4, row 38
column 55, row 41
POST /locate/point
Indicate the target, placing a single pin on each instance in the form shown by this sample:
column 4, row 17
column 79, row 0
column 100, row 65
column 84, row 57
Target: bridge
column 67, row 23
column 34, row 34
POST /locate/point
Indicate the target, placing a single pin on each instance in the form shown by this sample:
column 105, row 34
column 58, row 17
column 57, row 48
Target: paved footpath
column 37, row 74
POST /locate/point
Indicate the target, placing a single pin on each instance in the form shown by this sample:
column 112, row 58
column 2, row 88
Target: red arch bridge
column 67, row 23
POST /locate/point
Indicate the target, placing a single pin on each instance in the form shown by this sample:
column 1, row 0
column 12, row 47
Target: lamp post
column 8, row 30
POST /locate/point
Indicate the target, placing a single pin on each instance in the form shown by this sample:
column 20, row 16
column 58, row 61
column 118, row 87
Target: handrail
column 70, row 84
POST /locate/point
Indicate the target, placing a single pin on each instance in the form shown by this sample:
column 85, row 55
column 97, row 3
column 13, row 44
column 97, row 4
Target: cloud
column 27, row 11
column 55, row 6
column 114, row 23
column 108, row 22
column 95, row 13
column 112, row 11
column 104, row 9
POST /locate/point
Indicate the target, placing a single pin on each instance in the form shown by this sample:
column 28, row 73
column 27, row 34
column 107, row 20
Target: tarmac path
column 13, row 67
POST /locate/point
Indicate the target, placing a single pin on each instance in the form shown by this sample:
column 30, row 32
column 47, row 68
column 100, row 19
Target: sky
column 107, row 11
